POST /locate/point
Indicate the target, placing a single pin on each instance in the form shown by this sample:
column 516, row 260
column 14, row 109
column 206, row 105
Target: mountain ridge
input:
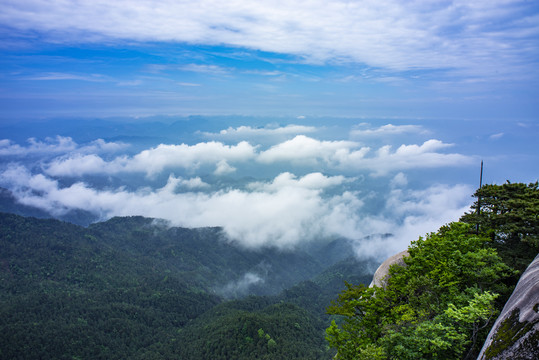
column 135, row 276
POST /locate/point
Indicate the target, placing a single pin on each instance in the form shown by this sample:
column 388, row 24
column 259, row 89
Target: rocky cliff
column 380, row 276
column 515, row 334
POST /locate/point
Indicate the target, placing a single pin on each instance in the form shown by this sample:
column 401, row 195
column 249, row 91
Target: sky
column 283, row 122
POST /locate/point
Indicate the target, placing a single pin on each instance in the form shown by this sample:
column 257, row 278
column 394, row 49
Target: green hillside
column 443, row 301
column 136, row 288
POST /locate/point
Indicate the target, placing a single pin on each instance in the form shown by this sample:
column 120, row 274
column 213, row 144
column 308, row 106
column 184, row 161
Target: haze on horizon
column 282, row 122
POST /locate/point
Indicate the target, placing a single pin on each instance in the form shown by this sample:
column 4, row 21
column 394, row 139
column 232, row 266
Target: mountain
column 295, row 320
column 136, row 288
column 9, row 204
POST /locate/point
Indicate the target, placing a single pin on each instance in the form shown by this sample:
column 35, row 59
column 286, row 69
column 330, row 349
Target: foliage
column 275, row 331
column 510, row 211
column 68, row 293
column 509, row 214
column 434, row 307
column 135, row 288
column 294, row 319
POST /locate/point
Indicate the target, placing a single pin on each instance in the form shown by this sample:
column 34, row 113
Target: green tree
column 509, row 215
column 434, row 307
column 510, row 212
column 272, row 344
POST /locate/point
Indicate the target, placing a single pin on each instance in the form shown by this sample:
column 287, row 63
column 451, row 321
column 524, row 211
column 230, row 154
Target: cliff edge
column 515, row 334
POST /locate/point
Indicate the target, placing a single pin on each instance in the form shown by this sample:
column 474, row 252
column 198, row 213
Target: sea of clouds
column 277, row 186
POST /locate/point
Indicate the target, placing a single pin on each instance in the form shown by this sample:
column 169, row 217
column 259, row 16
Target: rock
column 379, row 278
column 515, row 334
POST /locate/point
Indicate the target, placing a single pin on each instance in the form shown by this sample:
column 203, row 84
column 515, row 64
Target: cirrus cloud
column 480, row 35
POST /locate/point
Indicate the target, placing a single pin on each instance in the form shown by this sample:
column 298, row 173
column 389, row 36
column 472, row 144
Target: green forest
column 442, row 302
column 135, row 288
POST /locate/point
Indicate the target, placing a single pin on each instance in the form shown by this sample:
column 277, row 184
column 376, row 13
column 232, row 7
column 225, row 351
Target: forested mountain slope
column 440, row 301
column 136, row 288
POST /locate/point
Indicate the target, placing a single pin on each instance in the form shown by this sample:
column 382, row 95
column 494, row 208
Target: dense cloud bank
column 319, row 188
column 298, row 151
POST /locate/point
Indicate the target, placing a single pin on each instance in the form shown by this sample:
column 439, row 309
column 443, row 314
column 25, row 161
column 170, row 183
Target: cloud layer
column 408, row 214
column 57, row 145
column 282, row 213
column 300, row 151
column 155, row 160
column 349, row 155
column 363, row 131
column 295, row 201
column 259, row 133
column 478, row 35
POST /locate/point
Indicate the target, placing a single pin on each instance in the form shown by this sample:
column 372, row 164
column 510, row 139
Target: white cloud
column 193, row 183
column 303, row 151
column 390, row 34
column 341, row 154
column 224, row 168
column 319, row 181
column 388, row 129
column 283, row 212
column 241, row 286
column 59, row 144
column 55, row 76
column 409, row 214
column 412, row 157
column 101, row 145
column 274, row 215
column 135, row 82
column 399, row 180
column 78, row 165
column 250, row 132
column 55, row 146
column 155, row 160
column 264, row 72
column 311, row 181
column 208, row 69
column 188, row 84
column 309, row 151
column 496, row 136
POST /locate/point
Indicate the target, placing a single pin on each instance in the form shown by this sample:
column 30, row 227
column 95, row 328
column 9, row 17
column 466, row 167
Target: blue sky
column 281, row 121
column 421, row 59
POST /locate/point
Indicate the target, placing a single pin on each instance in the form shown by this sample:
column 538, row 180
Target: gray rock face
column 515, row 334
column 380, row 276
